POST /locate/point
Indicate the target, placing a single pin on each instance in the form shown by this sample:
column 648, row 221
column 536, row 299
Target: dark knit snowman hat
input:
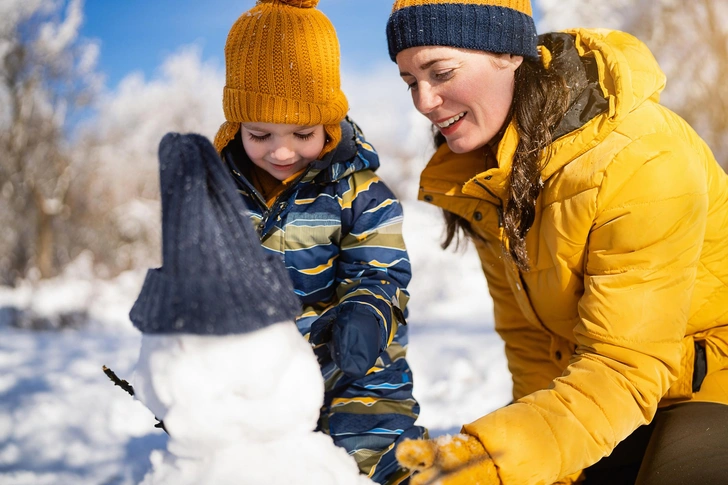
column 215, row 278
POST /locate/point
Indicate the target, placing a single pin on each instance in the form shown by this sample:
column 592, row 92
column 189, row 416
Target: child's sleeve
column 373, row 266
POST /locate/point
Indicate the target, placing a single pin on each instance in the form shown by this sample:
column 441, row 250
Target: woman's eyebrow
column 424, row 66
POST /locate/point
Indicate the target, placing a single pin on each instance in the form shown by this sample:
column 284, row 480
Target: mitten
column 446, row 460
column 355, row 340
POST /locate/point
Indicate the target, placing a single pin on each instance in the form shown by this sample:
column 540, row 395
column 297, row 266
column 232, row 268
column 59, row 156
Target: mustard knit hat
column 282, row 66
column 501, row 26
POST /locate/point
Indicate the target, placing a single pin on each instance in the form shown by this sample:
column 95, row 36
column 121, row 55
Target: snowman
column 221, row 363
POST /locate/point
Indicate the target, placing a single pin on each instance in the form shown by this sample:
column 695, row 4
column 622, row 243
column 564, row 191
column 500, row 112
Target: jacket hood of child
column 352, row 154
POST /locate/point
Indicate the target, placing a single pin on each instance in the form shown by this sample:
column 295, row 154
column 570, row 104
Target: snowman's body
column 239, row 409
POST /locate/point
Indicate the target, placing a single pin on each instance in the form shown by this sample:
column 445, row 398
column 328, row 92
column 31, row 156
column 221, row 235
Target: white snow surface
column 62, row 421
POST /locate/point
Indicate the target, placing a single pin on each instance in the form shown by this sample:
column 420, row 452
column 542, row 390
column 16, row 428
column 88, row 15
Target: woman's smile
column 448, row 126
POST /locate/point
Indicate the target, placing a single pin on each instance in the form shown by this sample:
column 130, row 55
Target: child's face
column 282, row 150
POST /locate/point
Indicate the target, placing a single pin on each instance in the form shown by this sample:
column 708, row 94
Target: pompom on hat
column 282, row 66
column 499, row 26
column 215, row 278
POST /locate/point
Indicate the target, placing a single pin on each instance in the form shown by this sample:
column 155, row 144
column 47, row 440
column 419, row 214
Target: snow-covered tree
column 689, row 40
column 119, row 144
column 46, row 72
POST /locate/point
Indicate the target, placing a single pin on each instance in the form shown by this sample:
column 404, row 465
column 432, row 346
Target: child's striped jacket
column 338, row 230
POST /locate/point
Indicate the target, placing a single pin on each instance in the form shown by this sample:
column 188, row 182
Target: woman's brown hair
column 540, row 100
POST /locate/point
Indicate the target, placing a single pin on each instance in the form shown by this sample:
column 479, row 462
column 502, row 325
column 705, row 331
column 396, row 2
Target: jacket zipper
column 280, row 203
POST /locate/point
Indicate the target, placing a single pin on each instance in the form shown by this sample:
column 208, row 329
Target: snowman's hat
column 215, row 278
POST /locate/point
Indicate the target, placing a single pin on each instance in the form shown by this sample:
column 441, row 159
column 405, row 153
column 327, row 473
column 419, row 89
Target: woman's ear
column 516, row 61
column 507, row 61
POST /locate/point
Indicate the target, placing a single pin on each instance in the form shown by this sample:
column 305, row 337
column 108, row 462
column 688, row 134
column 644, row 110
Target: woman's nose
column 426, row 99
column 282, row 153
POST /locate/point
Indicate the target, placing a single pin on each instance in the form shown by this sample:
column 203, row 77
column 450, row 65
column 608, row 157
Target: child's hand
column 352, row 334
column 355, row 340
column 457, row 460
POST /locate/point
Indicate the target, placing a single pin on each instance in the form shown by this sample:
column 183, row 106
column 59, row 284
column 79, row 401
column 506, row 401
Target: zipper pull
column 263, row 221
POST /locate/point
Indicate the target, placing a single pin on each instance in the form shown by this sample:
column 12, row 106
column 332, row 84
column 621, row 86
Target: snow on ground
column 62, row 421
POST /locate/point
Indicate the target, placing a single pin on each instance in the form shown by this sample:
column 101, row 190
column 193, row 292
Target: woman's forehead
column 423, row 57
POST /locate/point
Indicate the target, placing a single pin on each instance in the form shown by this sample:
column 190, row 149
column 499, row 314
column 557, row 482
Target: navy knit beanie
column 499, row 26
column 215, row 278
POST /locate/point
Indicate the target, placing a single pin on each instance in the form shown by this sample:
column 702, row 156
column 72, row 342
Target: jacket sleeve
column 526, row 346
column 641, row 261
column 373, row 269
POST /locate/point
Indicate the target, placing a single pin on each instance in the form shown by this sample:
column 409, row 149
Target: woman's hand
column 456, row 460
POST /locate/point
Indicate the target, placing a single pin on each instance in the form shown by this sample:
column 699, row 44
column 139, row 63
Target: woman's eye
column 259, row 137
column 304, row 136
column 441, row 76
column 411, row 86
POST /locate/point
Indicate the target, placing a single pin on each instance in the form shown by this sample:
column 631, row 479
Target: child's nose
column 282, row 153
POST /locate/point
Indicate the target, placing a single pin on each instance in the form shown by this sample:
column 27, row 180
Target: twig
column 130, row 390
column 118, row 382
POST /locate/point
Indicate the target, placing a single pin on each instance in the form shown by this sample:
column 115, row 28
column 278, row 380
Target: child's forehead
column 277, row 128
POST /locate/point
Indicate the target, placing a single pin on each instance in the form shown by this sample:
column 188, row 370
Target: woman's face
column 465, row 93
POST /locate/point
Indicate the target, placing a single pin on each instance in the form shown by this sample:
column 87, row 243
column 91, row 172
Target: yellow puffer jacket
column 629, row 258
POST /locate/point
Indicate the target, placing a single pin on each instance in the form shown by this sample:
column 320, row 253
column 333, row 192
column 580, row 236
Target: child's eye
column 259, row 137
column 304, row 136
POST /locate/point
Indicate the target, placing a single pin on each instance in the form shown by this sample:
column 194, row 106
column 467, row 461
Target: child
column 307, row 176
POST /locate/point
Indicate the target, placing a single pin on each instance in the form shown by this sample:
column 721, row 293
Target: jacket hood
column 351, row 155
column 624, row 74
column 628, row 72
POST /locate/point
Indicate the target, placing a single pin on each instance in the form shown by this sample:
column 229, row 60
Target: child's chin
column 281, row 173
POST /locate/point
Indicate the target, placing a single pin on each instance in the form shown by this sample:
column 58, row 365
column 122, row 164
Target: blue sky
column 137, row 35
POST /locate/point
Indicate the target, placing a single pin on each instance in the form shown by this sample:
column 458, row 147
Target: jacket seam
column 570, row 196
column 551, row 428
column 608, row 338
column 653, row 201
column 581, row 391
column 714, row 295
column 616, row 155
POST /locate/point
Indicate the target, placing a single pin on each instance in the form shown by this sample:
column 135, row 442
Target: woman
column 601, row 220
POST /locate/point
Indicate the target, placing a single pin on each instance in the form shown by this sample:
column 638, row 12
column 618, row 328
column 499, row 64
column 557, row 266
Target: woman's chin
column 458, row 145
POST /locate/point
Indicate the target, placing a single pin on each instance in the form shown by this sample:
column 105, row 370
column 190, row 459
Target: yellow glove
column 446, row 460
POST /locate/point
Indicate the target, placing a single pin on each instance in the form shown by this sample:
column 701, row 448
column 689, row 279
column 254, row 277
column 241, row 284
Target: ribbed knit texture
column 281, row 66
column 500, row 26
column 215, row 278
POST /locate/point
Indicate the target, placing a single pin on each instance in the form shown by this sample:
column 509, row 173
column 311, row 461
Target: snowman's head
column 215, row 391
